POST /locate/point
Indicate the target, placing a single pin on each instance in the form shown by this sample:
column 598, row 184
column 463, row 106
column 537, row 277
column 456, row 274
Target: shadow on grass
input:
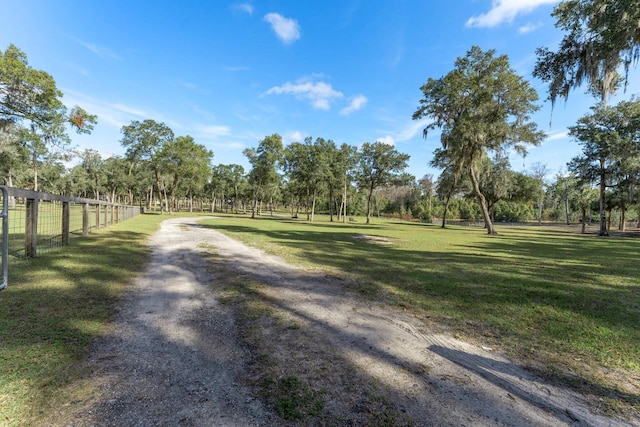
column 569, row 294
column 352, row 340
column 55, row 305
column 492, row 272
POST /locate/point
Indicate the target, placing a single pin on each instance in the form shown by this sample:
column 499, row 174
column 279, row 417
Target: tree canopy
column 600, row 37
column 378, row 165
column 481, row 107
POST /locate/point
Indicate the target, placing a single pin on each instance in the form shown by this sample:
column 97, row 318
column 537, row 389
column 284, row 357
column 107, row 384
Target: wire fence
column 39, row 222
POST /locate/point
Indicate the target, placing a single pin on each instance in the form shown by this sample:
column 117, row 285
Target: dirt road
column 175, row 355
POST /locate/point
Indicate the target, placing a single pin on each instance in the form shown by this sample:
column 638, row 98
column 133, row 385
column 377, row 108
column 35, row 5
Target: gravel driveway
column 175, row 355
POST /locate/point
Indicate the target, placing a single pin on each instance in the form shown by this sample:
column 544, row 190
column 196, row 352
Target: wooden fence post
column 85, row 219
column 98, row 217
column 31, row 228
column 66, row 218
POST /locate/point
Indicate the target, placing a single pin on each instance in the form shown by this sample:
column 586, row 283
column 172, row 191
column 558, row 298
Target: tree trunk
column 149, row 198
column 255, row 207
column 446, row 205
column 12, row 199
column 603, row 208
column 482, row 201
column 331, row 202
column 313, row 204
column 540, row 201
column 369, row 204
column 623, row 218
column 584, row 219
column 444, row 214
column 344, row 202
column 566, row 204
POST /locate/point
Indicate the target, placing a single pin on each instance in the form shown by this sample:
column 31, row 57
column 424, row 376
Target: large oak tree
column 482, row 107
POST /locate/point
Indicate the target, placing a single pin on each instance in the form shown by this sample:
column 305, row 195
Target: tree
column 448, row 181
column 26, row 93
column 610, row 139
column 31, row 104
column 378, row 165
column 117, row 180
column 92, row 163
column 13, row 155
column 539, row 172
column 495, row 181
column 184, row 161
column 427, row 187
column 302, row 162
column 481, row 106
column 238, row 181
column 601, row 36
column 342, row 167
column 144, row 142
column 263, row 174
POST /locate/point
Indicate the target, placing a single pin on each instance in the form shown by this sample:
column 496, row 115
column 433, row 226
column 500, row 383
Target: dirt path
column 175, row 355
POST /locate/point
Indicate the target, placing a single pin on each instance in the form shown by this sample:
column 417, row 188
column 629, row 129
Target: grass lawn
column 564, row 303
column 567, row 304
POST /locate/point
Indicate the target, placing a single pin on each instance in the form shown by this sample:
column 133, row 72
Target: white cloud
column 131, row 110
column 286, row 29
column 296, row 137
column 100, row 51
column 211, row 131
column 357, row 102
column 319, row 93
column 387, row 139
column 244, row 7
column 529, row 28
column 412, row 129
column 556, row 135
column 505, row 11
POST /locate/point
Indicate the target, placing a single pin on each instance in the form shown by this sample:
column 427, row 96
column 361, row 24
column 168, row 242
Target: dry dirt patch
column 372, row 239
column 218, row 333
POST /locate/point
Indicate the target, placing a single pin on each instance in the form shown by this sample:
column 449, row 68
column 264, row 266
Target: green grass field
column 566, row 304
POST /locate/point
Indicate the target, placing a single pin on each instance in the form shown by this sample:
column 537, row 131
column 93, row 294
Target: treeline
column 482, row 110
column 168, row 173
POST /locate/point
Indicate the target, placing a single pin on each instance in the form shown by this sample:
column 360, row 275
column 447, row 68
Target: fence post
column 98, row 216
column 31, row 228
column 85, row 219
column 66, row 219
column 5, row 237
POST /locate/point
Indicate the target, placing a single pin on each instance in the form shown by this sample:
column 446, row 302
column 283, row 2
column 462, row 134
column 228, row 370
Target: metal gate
column 5, row 236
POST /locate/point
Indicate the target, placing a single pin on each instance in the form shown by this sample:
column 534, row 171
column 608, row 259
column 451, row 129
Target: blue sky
column 230, row 73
